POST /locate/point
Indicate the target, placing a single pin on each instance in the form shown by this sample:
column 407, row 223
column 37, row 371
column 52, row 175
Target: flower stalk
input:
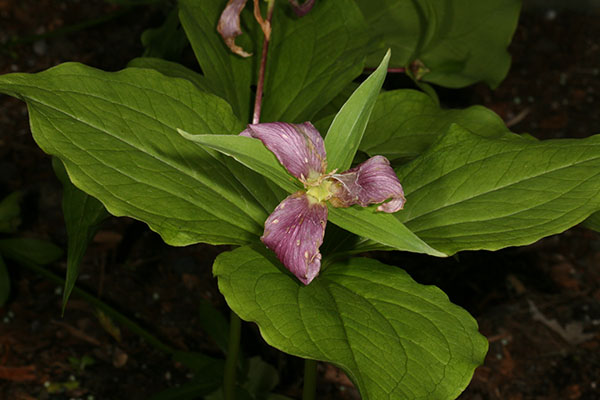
column 263, row 64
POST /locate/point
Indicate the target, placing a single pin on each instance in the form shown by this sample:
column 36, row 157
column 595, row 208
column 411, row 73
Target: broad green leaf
column 10, row 213
column 229, row 75
column 406, row 122
column 593, row 222
column 460, row 42
column 28, row 250
column 311, row 59
column 167, row 41
column 117, row 135
column 172, row 69
column 4, row 282
column 395, row 338
column 383, row 228
column 83, row 215
column 468, row 192
column 346, row 130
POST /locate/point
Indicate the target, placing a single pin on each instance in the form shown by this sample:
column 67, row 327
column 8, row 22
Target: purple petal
column 229, row 25
column 298, row 147
column 302, row 9
column 294, row 231
column 374, row 181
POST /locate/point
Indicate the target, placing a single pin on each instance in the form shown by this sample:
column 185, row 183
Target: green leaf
column 26, row 250
column 229, row 75
column 171, row 69
column 406, row 122
column 468, row 192
column 167, row 41
column 10, row 213
column 460, row 42
column 4, row 283
column 116, row 134
column 348, row 126
column 394, row 338
column 311, row 59
column 593, row 222
column 83, row 215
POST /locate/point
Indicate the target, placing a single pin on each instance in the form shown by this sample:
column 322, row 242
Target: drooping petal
column 298, row 147
column 374, row 181
column 302, row 9
column 294, row 231
column 229, row 25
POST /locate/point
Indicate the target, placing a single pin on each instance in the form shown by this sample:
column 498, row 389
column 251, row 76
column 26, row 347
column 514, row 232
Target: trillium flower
column 295, row 229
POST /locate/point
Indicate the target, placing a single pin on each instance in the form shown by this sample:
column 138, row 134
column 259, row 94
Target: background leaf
column 28, row 250
column 167, row 41
column 460, row 42
column 396, row 339
column 346, row 130
column 171, row 69
column 83, row 215
column 406, row 122
column 593, row 222
column 468, row 192
column 116, row 134
column 228, row 74
column 311, row 59
column 10, row 213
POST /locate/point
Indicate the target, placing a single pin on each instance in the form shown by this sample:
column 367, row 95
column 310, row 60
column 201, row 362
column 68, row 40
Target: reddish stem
column 261, row 73
column 389, row 70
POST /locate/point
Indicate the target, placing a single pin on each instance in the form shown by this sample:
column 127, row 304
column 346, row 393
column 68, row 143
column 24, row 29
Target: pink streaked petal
column 298, row 147
column 302, row 9
column 294, row 231
column 229, row 25
column 374, row 181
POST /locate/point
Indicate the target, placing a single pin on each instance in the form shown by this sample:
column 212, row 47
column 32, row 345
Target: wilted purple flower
column 295, row 229
column 302, row 9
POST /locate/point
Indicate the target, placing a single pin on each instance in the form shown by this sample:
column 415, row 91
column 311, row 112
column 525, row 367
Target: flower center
column 319, row 193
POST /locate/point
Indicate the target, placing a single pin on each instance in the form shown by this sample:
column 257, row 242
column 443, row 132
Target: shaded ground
column 553, row 90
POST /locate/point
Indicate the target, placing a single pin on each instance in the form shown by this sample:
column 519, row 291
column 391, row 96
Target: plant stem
column 235, row 328
column 261, row 72
column 310, row 379
column 389, row 70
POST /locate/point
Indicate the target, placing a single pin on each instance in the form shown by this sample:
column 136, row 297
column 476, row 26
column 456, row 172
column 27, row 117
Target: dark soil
column 539, row 305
